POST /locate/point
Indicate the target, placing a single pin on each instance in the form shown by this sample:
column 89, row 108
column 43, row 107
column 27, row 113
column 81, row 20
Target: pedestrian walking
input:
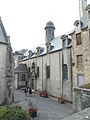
column 30, row 91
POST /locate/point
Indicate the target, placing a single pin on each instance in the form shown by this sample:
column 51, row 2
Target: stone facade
column 84, row 50
column 81, row 99
column 6, row 68
column 81, row 51
column 82, row 115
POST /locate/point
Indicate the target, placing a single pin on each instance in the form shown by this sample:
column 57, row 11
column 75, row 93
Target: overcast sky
column 24, row 20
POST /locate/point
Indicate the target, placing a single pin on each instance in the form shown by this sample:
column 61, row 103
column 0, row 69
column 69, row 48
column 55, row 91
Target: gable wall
column 2, row 72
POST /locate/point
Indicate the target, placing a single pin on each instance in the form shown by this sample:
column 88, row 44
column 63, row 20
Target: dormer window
column 69, row 41
column 50, row 46
column 30, row 53
column 38, row 50
column 77, row 24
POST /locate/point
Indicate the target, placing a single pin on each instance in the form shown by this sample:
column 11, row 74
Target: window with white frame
column 80, row 80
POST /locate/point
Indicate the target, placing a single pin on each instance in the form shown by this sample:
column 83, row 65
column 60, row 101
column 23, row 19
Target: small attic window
column 89, row 14
column 77, row 24
column 69, row 41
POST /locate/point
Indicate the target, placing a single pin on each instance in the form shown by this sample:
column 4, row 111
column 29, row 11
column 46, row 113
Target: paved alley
column 48, row 109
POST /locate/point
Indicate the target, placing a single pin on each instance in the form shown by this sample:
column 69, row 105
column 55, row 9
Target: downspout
column 6, row 91
column 62, row 71
column 46, row 76
column 59, row 72
column 30, row 80
column 35, row 78
column 42, row 73
column 71, row 74
column 50, row 71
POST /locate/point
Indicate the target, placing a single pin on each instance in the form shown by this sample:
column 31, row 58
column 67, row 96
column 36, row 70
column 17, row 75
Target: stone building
column 21, row 74
column 81, row 47
column 49, row 65
column 6, row 67
column 63, row 62
column 81, row 54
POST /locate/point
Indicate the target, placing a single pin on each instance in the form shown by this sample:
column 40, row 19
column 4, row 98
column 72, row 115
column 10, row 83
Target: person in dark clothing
column 30, row 90
column 25, row 90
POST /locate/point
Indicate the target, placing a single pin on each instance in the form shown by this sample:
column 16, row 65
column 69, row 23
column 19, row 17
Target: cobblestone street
column 48, row 109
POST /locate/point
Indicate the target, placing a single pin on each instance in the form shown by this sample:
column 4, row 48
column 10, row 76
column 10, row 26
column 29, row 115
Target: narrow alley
column 48, row 109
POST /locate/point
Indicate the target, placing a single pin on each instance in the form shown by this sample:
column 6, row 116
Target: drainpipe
column 59, row 72
column 46, row 77
column 71, row 74
column 30, row 82
column 62, row 72
column 42, row 73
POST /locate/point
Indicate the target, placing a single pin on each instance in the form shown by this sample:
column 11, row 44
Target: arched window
column 47, row 72
column 37, row 71
column 65, row 72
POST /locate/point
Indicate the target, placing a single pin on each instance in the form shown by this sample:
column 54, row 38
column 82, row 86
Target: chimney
column 82, row 6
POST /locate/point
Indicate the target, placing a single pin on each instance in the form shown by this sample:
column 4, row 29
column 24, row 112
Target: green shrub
column 86, row 86
column 12, row 113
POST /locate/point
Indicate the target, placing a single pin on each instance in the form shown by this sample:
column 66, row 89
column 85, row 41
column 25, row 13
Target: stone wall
column 84, row 50
column 81, row 99
column 83, row 115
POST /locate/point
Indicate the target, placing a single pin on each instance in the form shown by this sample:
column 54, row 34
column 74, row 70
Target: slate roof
column 21, row 68
column 3, row 33
column 23, row 51
column 56, row 44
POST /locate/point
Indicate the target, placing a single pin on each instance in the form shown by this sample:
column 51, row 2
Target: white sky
column 24, row 20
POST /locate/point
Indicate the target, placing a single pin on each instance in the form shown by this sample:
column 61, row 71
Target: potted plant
column 32, row 111
column 44, row 94
column 61, row 99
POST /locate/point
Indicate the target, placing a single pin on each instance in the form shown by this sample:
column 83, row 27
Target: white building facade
column 52, row 65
